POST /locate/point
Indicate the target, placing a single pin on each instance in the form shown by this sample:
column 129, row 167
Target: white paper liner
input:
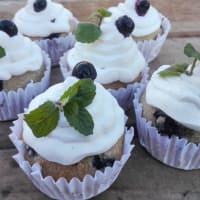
column 172, row 151
column 56, row 47
column 75, row 189
column 13, row 102
column 151, row 48
column 124, row 96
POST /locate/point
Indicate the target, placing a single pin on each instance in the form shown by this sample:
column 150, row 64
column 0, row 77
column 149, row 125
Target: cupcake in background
column 113, row 53
column 151, row 28
column 49, row 23
column 91, row 144
column 25, row 71
column 168, row 120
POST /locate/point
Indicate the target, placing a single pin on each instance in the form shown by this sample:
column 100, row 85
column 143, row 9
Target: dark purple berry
column 8, row 27
column 142, row 6
column 84, row 70
column 53, row 35
column 125, row 25
column 39, row 5
column 100, row 162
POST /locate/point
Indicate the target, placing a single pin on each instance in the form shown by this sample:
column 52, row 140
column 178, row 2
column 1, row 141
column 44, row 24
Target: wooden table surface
column 143, row 177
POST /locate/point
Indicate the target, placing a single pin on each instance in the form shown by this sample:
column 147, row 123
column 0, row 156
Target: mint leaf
column 79, row 118
column 43, row 120
column 102, row 12
column 174, row 70
column 191, row 52
column 87, row 32
column 2, row 52
column 86, row 92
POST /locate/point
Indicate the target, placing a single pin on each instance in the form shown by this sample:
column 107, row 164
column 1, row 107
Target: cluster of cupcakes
column 104, row 64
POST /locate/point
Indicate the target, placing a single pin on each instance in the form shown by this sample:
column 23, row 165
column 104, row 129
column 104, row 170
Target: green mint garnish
column 2, row 52
column 79, row 118
column 87, row 32
column 45, row 118
column 174, row 70
column 177, row 70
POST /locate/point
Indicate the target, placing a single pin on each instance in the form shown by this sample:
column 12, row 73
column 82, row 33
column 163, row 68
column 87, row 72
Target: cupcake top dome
column 114, row 54
column 20, row 53
column 97, row 129
column 41, row 18
column 146, row 18
column 175, row 91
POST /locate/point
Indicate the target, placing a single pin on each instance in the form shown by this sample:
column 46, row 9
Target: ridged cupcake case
column 13, row 102
column 124, row 96
column 56, row 47
column 151, row 48
column 75, row 189
column 172, row 151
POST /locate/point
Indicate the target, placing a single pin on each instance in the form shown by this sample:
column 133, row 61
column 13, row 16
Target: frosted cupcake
column 47, row 21
column 22, row 66
column 91, row 146
column 172, row 106
column 151, row 28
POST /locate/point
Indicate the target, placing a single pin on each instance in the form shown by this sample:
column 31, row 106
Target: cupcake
column 48, row 22
column 151, row 28
column 168, row 120
column 114, row 54
column 23, row 67
column 90, row 146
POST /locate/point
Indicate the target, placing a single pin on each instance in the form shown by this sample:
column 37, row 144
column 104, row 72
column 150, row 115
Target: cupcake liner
column 124, row 96
column 56, row 47
column 151, row 48
column 14, row 102
column 75, row 189
column 172, row 151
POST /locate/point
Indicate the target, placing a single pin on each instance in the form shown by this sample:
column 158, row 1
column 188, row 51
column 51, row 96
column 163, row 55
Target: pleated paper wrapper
column 56, row 47
column 124, row 96
column 172, row 151
column 75, row 189
column 151, row 48
column 13, row 102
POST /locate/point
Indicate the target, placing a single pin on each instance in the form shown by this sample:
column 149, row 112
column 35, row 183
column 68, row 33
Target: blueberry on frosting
column 84, row 70
column 125, row 25
column 39, row 5
column 8, row 27
column 142, row 6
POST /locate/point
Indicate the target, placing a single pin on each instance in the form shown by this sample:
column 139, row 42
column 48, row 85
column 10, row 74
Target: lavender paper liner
column 56, row 47
column 172, row 151
column 151, row 48
column 75, row 189
column 124, row 96
column 13, row 102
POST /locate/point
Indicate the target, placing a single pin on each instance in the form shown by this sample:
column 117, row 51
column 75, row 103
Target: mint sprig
column 45, row 118
column 177, row 70
column 2, row 52
column 87, row 32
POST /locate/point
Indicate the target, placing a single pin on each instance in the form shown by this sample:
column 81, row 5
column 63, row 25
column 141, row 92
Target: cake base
column 86, row 166
column 166, row 125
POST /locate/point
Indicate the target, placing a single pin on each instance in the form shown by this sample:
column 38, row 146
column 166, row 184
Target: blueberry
column 40, row 5
column 100, row 162
column 142, row 6
column 125, row 25
column 53, row 35
column 84, row 70
column 8, row 27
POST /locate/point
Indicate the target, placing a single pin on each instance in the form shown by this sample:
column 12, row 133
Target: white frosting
column 38, row 24
column 178, row 97
column 144, row 25
column 22, row 55
column 67, row 146
column 115, row 58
